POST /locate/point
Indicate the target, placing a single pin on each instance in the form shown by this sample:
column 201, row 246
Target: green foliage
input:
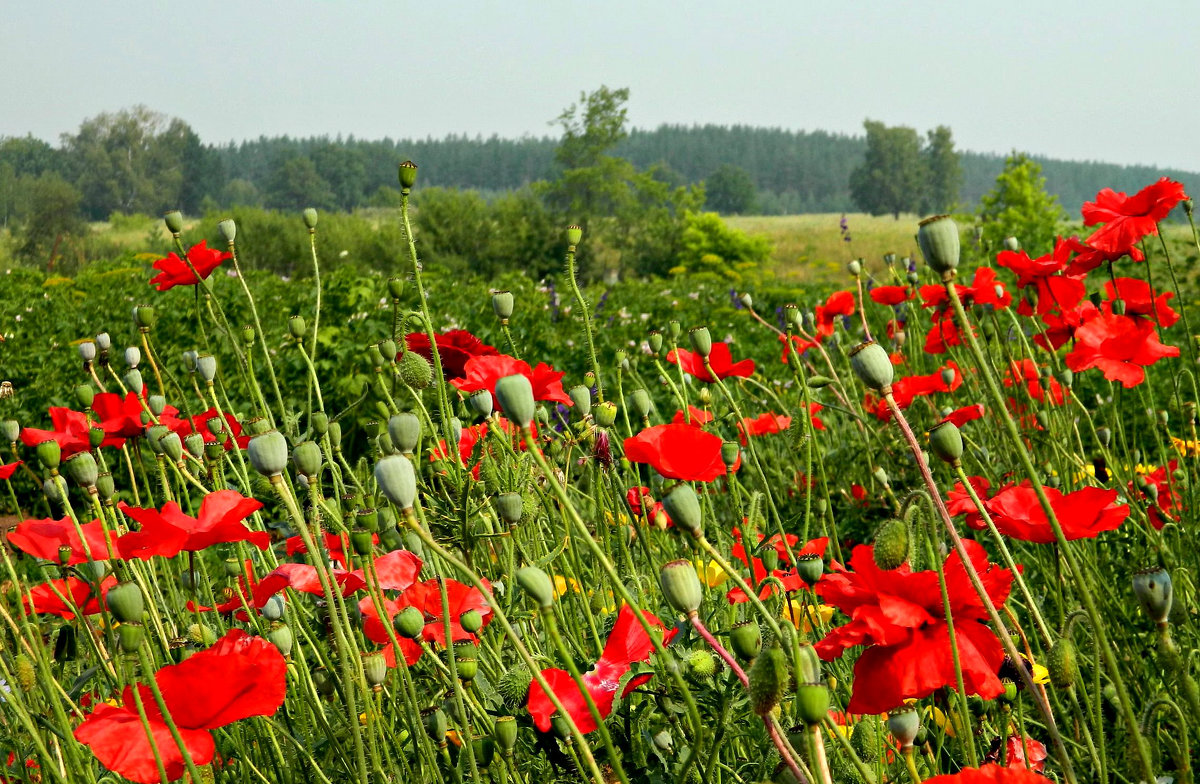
column 711, row 246
column 52, row 226
column 892, row 178
column 943, row 172
column 730, row 190
column 295, row 184
column 1019, row 206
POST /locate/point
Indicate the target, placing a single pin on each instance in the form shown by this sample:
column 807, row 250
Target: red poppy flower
column 909, row 388
column 70, row 431
column 638, row 499
column 934, row 296
column 758, row 570
column 45, row 538
column 1054, row 290
column 800, row 344
column 678, row 452
column 1127, row 219
column 987, row 290
column 961, row 416
column 482, row 372
column 990, row 774
column 467, row 439
column 697, row 417
column 335, row 546
column 764, row 424
column 44, row 598
column 169, row 532
column 719, row 359
column 1140, row 300
column 238, row 677
column 958, row 501
column 427, row 597
column 1169, row 503
column 1026, row 373
column 898, row 614
column 1019, row 753
column 890, row 295
column 840, row 303
column 1083, row 514
column 1121, row 346
column 120, row 417
column 173, row 271
column 199, row 424
column 7, row 471
column 1088, row 258
column 303, row 578
column 943, row 334
column 455, row 348
column 1060, row 326
column 235, row 601
column 627, row 643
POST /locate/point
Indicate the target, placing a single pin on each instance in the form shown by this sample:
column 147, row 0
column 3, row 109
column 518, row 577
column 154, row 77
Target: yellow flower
column 1186, row 448
column 711, row 574
column 804, row 616
column 941, row 720
column 562, row 584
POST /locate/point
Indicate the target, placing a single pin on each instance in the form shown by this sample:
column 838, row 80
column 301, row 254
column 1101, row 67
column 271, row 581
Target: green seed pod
column 274, row 608
column 891, row 545
column 405, row 431
column 683, row 507
column 769, row 680
column 639, row 403
column 581, row 399
column 681, row 586
column 144, row 317
column 81, row 469
column 854, row 267
column 409, row 623
column 812, row 702
column 228, row 230
column 201, row 634
column 872, row 365
column 466, row 661
column 297, row 327
column 157, row 404
column 1011, row 244
column 361, row 542
column 436, row 725
column 206, row 366
column 655, row 341
column 85, row 395
column 471, row 621
column 87, row 351
column 480, row 403
column 52, row 491
column 938, row 238
column 504, row 733
column 171, row 445
column 701, row 341
column 746, row 640
column 105, row 486
column 133, row 356
column 414, row 370
column 268, row 453
column 946, row 442
column 307, row 457
column 1153, row 590
column 574, row 235
column 1062, row 663
column 819, row 382
column 310, row 218
column 510, row 507
column 280, row 635
column 397, row 480
column 538, row 585
column 408, row 177
column 133, row 381
column 515, row 396
column 194, row 444
column 375, row 669
column 502, row 305
column 130, row 636
column 810, row 567
column 49, row 454
column 10, row 430
column 770, row 559
column 730, row 452
column 126, row 603
column 904, row 724
column 605, row 414
column 174, row 221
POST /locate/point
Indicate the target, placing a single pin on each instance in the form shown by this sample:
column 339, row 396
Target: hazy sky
column 1104, row 79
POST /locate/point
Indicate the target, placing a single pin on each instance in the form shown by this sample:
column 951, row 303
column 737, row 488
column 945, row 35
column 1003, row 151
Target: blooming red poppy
column 695, row 417
column 1121, row 346
column 46, row 538
column 719, row 359
column 909, row 388
column 1061, row 325
column 840, row 303
column 7, row 471
column 335, row 546
column 961, row 416
column 764, row 424
column 943, row 334
column 1127, row 219
column 173, row 271
column 990, row 774
column 455, row 348
column 639, row 499
column 427, row 597
column 1088, row 258
column 1169, row 502
column 798, row 343
column 1018, row 753
column 891, row 295
column 1083, row 514
column 958, row 501
column 303, row 578
column 70, row 431
column 627, row 643
column 120, row 417
column 1026, row 373
column 238, row 677
column 758, row 570
column 678, row 452
column 44, row 598
column 483, row 371
column 1140, row 300
column 985, row 289
column 169, row 532
column 199, row 424
column 235, row 601
column 1054, row 289
column 898, row 615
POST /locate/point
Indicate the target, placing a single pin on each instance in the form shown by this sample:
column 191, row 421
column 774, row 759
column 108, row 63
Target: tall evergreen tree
column 944, row 174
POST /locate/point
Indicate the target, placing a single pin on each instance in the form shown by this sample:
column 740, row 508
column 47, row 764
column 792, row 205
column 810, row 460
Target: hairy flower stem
column 585, row 315
column 1085, row 595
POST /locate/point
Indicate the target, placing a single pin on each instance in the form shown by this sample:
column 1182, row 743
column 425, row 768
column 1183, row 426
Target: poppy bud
column 310, row 218
column 510, row 507
column 413, row 368
column 307, row 457
column 174, row 221
column 206, row 366
column 605, row 413
column 683, row 507
column 126, row 603
column 49, row 453
column 701, row 341
column 81, row 468
column 938, row 238
column 812, row 702
column 144, row 317
column 872, row 365
column 1153, row 590
column 130, row 636
column 730, row 452
column 10, row 430
column 769, row 680
column 891, row 545
column 502, row 305
column 133, row 380
column 504, row 732
column 105, row 486
column 639, row 403
column 1011, row 244
column 397, row 480
column 268, row 453
column 904, row 724
column 746, row 640
column 770, row 559
column 810, row 567
column 280, row 635
column 297, row 327
column 854, row 267
column 273, row 609
column 945, row 441
column 538, row 585
column 681, row 586
column 515, row 396
column 409, row 623
column 1062, row 663
column 375, row 669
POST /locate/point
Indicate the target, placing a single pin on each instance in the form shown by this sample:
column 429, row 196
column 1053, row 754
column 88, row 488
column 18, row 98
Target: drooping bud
column 938, row 238
column 515, row 396
column 872, row 365
column 683, row 507
column 681, row 586
column 945, row 441
column 538, row 585
column 891, row 545
column 397, row 480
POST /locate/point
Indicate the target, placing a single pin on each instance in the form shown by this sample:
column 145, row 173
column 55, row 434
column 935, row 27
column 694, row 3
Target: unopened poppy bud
column 126, row 603
column 480, row 403
column 746, row 640
column 405, row 431
column 413, row 368
column 206, row 366
column 133, row 381
column 397, row 480
column 280, row 635
column 49, row 453
column 310, row 218
column 812, row 702
column 730, row 452
column 1062, row 663
column 769, row 680
column 681, row 586
column 605, row 413
column 938, row 238
column 854, row 267
column 408, row 175
column 510, row 507
column 87, row 351
column 1012, row 244
column 1153, row 590
column 85, row 395
column 891, row 545
column 574, row 235
column 819, row 382
column 945, row 441
column 105, row 486
column 504, row 732
column 307, row 457
column 538, row 585
column 297, row 327
column 174, row 221
column 81, row 468
column 268, row 453
column 639, row 403
column 810, row 567
column 904, row 724
column 872, row 365
column 395, row 286
column 701, row 341
column 502, row 305
column 683, row 507
column 515, row 396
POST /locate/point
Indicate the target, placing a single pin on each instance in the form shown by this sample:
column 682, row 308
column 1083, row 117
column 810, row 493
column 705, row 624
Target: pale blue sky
column 1110, row 80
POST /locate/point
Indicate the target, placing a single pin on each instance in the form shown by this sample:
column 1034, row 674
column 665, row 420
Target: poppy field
column 935, row 525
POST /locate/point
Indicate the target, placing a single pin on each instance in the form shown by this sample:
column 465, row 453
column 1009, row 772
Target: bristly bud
column 945, row 441
column 228, row 230
column 502, row 305
column 310, row 218
column 891, row 545
column 1153, row 590
column 938, row 238
column 413, row 368
column 397, row 480
column 408, row 175
column 746, row 640
column 1062, row 663
column 174, row 221
column 268, row 453
column 701, row 341
column 904, row 724
column 574, row 235
column 872, row 365
column 515, row 396
column 701, row 664
column 681, row 586
column 770, row 678
column 683, row 507
column 538, row 585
